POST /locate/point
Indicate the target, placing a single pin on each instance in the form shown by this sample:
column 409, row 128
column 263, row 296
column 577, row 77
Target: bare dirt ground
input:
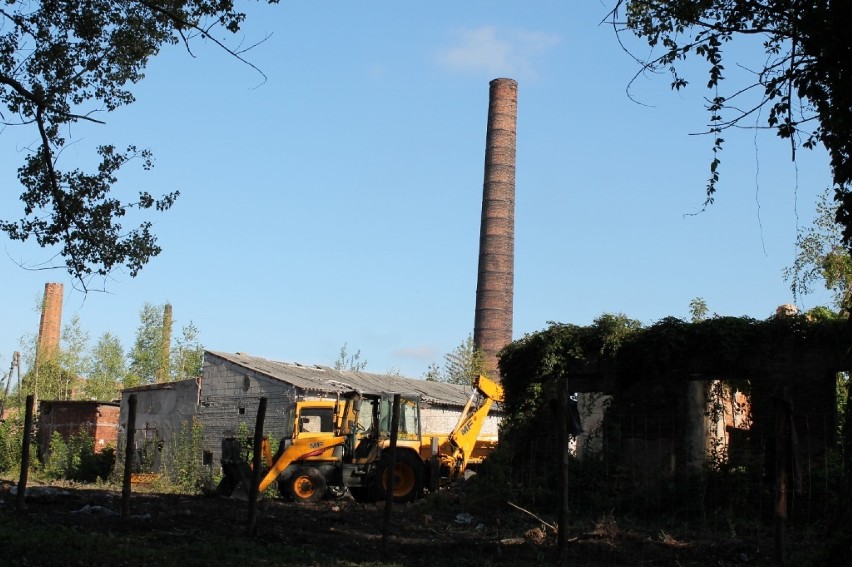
column 76, row 525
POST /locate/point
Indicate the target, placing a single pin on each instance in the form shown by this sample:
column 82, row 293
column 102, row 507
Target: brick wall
column 98, row 419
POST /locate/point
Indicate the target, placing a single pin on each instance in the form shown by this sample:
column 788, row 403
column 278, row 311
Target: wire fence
column 646, row 468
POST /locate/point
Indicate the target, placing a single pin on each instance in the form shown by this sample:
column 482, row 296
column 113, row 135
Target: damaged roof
column 324, row 379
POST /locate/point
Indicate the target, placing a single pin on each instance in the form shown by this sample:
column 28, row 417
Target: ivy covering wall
column 647, row 370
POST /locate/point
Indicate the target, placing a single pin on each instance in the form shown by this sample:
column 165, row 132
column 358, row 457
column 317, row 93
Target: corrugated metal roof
column 78, row 403
column 161, row 386
column 324, row 379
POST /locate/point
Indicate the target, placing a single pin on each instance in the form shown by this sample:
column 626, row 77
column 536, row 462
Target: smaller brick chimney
column 165, row 346
column 51, row 321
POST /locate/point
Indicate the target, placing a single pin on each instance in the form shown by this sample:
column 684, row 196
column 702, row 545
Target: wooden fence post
column 785, row 460
column 255, row 463
column 129, row 455
column 563, row 437
column 20, row 502
column 394, row 434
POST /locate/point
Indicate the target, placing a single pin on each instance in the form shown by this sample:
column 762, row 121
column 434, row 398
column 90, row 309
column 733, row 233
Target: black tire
column 408, row 477
column 306, row 485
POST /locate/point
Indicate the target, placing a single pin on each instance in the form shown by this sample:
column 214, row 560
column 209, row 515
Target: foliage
column 55, row 462
column 801, row 79
column 182, row 464
column 145, row 356
column 101, row 372
column 432, row 373
column 76, row 459
column 11, row 438
column 842, row 386
column 59, row 376
column 61, row 63
column 46, row 380
column 646, row 363
column 187, row 354
column 72, row 357
column 346, row 361
column 821, row 257
column 821, row 313
column 108, row 372
column 461, row 365
column 698, row 309
column 148, row 361
column 149, row 454
column 541, row 358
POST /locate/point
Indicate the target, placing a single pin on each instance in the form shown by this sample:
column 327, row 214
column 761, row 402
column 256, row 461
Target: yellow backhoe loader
column 352, row 452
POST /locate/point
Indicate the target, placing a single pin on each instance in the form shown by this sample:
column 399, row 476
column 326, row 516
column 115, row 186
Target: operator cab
column 367, row 422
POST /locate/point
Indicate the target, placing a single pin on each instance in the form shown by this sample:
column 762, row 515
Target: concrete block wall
column 441, row 420
column 161, row 411
column 229, row 399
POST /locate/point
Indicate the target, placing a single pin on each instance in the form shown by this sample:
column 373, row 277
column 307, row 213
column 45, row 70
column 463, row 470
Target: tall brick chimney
column 492, row 328
column 51, row 321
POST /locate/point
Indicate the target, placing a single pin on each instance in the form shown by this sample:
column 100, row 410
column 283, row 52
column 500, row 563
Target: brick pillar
column 492, row 328
column 51, row 321
column 165, row 346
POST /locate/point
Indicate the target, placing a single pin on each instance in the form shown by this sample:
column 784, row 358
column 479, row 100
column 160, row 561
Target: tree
column 432, row 373
column 61, row 63
column 461, row 365
column 821, row 257
column 73, row 357
column 188, row 354
column 56, row 377
column 108, row 372
column 145, row 356
column 698, row 309
column 346, row 361
column 802, row 78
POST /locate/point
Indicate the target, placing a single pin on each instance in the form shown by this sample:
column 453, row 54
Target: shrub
column 182, row 464
column 76, row 459
column 56, row 459
column 11, row 436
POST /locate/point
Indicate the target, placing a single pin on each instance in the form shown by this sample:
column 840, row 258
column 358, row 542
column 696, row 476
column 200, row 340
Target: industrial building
column 226, row 397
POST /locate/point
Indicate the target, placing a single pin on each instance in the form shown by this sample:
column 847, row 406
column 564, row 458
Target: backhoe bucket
column 240, row 492
column 236, row 473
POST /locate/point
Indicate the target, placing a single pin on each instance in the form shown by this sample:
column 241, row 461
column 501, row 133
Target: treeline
column 80, row 370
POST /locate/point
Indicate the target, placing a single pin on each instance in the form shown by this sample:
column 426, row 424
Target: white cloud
column 419, row 353
column 497, row 52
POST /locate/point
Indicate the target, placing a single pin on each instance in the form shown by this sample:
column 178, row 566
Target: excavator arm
column 456, row 452
column 300, row 449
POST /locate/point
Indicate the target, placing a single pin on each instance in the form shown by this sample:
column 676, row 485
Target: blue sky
column 338, row 201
